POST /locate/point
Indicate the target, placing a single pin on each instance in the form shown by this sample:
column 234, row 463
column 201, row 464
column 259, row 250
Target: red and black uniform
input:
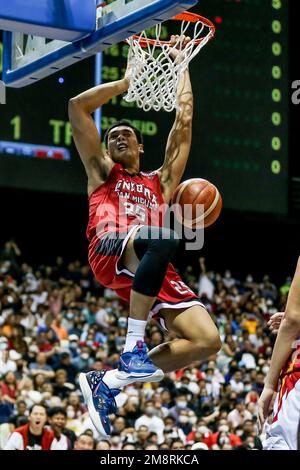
column 116, row 209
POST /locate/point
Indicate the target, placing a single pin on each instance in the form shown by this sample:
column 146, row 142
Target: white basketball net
column 154, row 74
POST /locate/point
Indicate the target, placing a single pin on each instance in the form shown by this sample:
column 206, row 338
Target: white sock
column 113, row 382
column 135, row 332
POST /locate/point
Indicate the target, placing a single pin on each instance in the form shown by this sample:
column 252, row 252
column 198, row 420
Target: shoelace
column 142, row 353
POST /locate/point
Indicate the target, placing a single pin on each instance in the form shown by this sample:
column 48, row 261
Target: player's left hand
column 129, row 71
column 178, row 44
column 275, row 321
column 265, row 403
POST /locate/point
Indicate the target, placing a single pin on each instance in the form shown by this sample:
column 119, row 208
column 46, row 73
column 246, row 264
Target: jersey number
column 181, row 287
column 135, row 210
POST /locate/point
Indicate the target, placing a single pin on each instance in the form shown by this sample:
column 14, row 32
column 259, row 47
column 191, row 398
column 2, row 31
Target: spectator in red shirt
column 223, row 435
column 34, row 435
column 201, row 434
column 9, row 387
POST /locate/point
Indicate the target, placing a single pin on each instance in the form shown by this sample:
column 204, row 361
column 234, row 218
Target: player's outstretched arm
column 180, row 138
column 87, row 139
column 288, row 333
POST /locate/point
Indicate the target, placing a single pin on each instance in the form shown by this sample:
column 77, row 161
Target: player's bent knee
column 156, row 240
column 169, row 242
column 215, row 343
column 167, row 233
column 211, row 344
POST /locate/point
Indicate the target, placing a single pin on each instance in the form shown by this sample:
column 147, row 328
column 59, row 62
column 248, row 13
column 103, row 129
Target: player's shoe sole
column 156, row 376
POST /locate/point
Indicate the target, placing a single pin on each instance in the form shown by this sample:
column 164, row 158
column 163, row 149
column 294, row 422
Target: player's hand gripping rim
column 178, row 43
column 275, row 322
column 130, row 66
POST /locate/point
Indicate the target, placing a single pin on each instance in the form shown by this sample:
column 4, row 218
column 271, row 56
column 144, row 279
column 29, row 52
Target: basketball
column 200, row 203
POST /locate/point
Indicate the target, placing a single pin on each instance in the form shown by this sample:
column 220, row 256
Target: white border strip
column 183, row 304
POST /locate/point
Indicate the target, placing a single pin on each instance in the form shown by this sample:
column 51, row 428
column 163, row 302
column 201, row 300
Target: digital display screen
column 36, row 147
column 244, row 98
column 240, row 128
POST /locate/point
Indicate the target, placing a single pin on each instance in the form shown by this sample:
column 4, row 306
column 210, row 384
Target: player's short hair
column 40, row 405
column 104, row 440
column 86, row 434
column 123, row 122
column 20, row 401
column 55, row 410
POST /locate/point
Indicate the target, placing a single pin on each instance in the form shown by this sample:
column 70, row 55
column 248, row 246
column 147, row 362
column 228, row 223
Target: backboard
column 28, row 58
column 63, row 19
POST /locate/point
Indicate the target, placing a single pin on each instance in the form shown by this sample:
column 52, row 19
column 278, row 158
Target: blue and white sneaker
column 100, row 399
column 138, row 366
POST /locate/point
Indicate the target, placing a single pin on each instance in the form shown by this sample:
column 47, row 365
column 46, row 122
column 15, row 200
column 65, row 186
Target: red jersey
column 124, row 201
column 116, row 207
column 293, row 363
column 289, row 377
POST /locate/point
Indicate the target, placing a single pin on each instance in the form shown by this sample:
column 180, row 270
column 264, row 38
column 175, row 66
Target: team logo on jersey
column 137, row 193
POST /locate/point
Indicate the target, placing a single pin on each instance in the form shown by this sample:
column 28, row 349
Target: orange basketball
column 200, row 203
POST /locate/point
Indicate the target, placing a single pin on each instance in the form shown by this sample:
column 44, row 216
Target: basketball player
column 283, row 377
column 131, row 255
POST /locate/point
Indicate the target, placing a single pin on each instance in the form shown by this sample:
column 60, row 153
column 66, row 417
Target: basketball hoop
column 155, row 75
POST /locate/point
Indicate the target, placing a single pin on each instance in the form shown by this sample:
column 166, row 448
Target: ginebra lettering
column 126, row 190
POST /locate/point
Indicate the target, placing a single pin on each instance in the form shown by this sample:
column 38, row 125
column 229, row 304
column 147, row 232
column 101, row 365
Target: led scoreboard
column 240, row 129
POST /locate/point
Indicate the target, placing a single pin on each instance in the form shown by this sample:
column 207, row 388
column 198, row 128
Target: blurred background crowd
column 57, row 321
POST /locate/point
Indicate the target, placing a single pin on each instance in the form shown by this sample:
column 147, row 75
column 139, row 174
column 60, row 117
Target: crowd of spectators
column 57, row 321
